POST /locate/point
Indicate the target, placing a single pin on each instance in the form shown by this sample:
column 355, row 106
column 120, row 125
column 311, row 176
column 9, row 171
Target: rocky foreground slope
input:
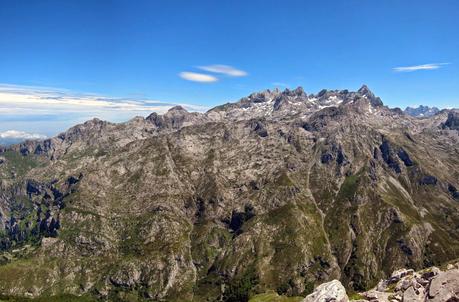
column 280, row 191
column 404, row 285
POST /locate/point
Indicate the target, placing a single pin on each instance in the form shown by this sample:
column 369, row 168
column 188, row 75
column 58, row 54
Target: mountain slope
column 279, row 191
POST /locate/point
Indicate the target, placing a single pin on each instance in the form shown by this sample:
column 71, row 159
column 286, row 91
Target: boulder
column 403, row 285
column 382, row 285
column 332, row 291
column 445, row 287
column 414, row 295
column 399, row 274
column 429, row 274
column 374, row 295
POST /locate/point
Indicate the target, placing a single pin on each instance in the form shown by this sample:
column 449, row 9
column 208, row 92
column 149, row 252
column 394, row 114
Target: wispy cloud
column 225, row 70
column 430, row 66
column 15, row 134
column 197, row 77
column 52, row 110
column 26, row 99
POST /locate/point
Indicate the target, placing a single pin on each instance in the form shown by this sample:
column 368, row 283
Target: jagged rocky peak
column 297, row 92
column 176, row 112
column 262, row 96
column 84, row 130
column 327, row 98
column 136, row 121
column 175, row 118
column 269, row 95
column 366, row 92
column 177, row 108
column 276, row 104
column 421, row 111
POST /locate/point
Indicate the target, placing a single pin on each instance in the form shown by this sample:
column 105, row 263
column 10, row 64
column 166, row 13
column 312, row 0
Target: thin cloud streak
column 33, row 100
column 431, row 66
column 50, row 110
column 225, row 70
column 197, row 77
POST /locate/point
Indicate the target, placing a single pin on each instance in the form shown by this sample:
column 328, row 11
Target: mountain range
column 421, row 111
column 280, row 191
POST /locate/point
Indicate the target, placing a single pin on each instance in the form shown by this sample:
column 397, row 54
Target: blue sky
column 139, row 56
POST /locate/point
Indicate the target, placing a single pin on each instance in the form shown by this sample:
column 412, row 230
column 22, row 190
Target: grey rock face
column 413, row 294
column 445, row 287
column 430, row 285
column 453, row 121
column 332, row 291
column 374, row 100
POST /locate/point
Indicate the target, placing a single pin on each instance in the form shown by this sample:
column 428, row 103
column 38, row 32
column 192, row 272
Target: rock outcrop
column 328, row 292
column 431, row 284
column 445, row 286
column 453, row 121
column 404, row 285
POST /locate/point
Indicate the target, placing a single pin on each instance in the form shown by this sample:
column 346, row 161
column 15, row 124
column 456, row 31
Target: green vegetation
column 60, row 298
column 239, row 289
column 131, row 241
column 273, row 297
column 349, row 187
column 26, row 273
column 283, row 180
column 18, row 163
column 355, row 296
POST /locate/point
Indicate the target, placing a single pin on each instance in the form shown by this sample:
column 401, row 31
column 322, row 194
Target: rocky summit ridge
column 280, row 191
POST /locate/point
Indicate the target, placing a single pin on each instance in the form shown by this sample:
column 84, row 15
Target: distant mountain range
column 280, row 191
column 316, row 102
column 421, row 111
column 10, row 141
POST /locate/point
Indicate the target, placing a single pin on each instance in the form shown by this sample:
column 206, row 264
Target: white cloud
column 430, row 66
column 225, row 70
column 51, row 110
column 197, row 77
column 14, row 134
column 34, row 100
